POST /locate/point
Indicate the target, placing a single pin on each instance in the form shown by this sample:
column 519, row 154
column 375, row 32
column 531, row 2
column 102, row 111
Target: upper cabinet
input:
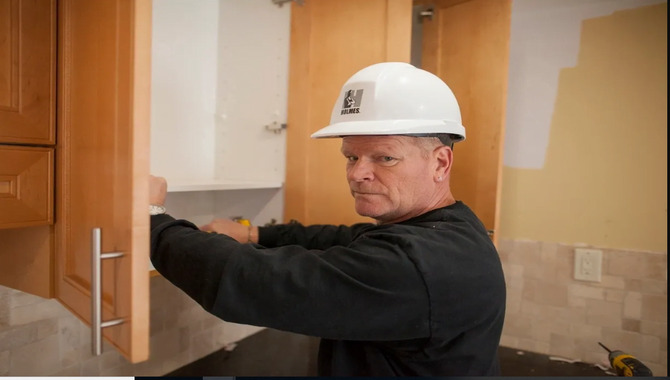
column 27, row 72
column 27, row 112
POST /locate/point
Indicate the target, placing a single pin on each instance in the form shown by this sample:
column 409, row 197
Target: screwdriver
column 626, row 364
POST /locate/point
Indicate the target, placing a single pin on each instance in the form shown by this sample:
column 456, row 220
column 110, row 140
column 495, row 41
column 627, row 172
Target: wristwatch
column 156, row 210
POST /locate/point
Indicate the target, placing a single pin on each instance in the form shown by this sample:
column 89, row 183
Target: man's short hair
column 445, row 138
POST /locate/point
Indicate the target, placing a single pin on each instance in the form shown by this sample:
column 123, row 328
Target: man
column 419, row 293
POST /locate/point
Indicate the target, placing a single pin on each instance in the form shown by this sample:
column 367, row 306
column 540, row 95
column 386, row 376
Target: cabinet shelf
column 210, row 185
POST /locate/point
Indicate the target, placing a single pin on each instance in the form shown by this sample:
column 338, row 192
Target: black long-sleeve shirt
column 423, row 297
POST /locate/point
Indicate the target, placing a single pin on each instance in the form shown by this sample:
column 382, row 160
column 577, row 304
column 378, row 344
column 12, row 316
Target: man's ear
column 444, row 158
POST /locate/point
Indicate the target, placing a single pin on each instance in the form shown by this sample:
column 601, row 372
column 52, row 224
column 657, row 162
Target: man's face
column 390, row 177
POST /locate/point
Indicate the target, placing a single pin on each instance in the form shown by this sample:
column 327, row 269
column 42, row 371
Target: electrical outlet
column 588, row 264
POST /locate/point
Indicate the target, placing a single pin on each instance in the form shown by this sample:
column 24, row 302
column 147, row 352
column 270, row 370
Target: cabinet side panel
column 103, row 164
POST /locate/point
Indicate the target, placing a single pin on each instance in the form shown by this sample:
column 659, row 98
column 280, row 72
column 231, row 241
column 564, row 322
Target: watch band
column 156, row 210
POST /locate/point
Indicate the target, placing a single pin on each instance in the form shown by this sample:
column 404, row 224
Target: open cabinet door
column 103, row 164
column 330, row 41
column 466, row 43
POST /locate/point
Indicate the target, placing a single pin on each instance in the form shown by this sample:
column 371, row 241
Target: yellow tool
column 242, row 221
column 626, row 364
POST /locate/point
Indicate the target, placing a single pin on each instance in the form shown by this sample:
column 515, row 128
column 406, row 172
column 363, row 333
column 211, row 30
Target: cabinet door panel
column 322, row 58
column 26, row 186
column 103, row 162
column 466, row 43
column 27, row 71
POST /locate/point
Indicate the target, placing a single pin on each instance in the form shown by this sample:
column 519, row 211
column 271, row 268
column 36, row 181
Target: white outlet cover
column 588, row 264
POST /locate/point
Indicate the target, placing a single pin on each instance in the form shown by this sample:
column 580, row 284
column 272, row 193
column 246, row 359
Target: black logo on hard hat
column 352, row 101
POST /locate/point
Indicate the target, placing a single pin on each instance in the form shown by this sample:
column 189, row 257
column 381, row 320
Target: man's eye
column 352, row 158
column 387, row 158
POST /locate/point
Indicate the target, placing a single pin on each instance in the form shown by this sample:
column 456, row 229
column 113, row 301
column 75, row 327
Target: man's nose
column 360, row 171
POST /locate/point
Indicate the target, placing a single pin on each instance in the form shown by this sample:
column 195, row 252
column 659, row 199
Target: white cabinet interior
column 219, row 89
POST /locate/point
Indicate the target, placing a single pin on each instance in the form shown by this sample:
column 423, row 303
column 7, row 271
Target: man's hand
column 157, row 190
column 237, row 231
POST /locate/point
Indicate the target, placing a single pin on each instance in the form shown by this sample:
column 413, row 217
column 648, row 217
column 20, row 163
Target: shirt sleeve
column 312, row 237
column 367, row 290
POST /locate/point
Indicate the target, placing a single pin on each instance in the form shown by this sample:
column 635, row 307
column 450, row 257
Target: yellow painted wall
column 605, row 174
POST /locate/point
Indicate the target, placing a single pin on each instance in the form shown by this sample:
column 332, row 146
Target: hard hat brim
column 391, row 127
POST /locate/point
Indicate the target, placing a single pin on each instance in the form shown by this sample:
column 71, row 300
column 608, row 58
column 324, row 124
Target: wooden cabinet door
column 330, row 41
column 103, row 163
column 26, row 186
column 27, row 71
column 466, row 43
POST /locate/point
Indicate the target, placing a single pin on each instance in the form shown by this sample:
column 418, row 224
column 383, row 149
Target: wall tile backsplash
column 39, row 337
column 550, row 312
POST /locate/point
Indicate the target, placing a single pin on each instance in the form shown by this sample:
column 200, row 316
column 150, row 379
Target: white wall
column 544, row 39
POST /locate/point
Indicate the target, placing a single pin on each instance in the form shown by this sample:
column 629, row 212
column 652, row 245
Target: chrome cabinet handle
column 96, row 291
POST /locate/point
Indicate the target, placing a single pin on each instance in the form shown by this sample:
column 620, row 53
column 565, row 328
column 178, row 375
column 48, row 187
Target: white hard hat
column 394, row 98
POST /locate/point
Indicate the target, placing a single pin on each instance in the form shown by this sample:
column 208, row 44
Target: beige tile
column 632, row 325
column 74, row 370
column 656, row 266
column 617, row 339
column 659, row 370
column 543, row 347
column 527, row 345
column 603, row 313
column 581, row 290
column 90, row 367
column 626, row 264
column 47, row 327
column 613, row 295
column 156, row 318
column 649, row 349
column 125, row 369
column 4, row 363
column 165, row 344
column 19, row 299
column 513, row 303
column 653, row 287
column 35, row 359
column 18, row 336
column 509, row 341
column 576, row 302
column 5, row 306
column 27, row 313
column 613, row 282
column 202, row 344
column 659, row 329
column 184, row 339
column 563, row 346
column 516, row 326
column 632, row 306
column 583, row 331
column 654, row 308
column 211, row 321
column 552, row 294
column 190, row 315
column 541, row 330
column 69, row 330
column 111, row 359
